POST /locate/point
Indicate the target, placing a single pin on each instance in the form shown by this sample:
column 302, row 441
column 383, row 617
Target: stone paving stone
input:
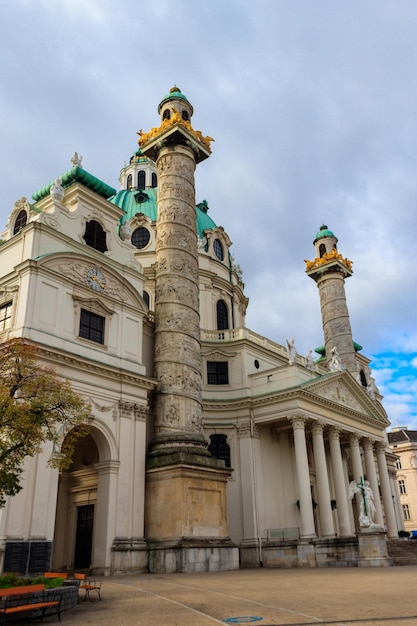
column 280, row 597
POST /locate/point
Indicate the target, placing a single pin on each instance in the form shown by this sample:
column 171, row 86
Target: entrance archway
column 78, row 534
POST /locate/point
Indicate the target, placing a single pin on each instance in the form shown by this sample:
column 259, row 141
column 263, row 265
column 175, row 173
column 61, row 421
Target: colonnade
column 372, row 464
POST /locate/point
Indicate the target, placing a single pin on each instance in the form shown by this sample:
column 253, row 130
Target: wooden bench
column 88, row 585
column 15, row 600
column 55, row 575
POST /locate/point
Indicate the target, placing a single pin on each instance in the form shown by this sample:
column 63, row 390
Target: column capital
column 368, row 444
column 246, row 429
column 317, row 427
column 334, row 433
column 380, row 446
column 298, row 420
column 354, row 439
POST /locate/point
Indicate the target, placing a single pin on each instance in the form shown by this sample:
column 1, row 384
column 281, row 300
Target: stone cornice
column 80, row 363
column 293, row 394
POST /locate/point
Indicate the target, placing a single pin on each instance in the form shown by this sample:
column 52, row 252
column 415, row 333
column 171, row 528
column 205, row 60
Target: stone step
column 402, row 552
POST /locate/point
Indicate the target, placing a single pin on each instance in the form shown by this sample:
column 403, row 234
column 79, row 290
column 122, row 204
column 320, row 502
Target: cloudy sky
column 313, row 107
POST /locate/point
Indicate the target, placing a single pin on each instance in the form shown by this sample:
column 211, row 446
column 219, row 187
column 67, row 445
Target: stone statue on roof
column 335, row 363
column 292, row 351
column 77, row 160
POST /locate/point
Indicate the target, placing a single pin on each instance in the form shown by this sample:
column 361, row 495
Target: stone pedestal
column 186, row 519
column 373, row 549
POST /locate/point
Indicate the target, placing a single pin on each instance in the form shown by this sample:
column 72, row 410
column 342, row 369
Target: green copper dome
column 174, row 94
column 146, row 203
column 324, row 232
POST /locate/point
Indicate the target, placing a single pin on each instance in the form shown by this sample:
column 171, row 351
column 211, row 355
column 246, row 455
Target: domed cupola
column 175, row 101
column 139, row 174
column 325, row 241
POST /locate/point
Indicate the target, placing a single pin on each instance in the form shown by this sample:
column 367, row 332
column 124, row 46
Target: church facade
column 209, row 446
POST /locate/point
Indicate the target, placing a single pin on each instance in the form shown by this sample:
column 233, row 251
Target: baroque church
column 209, row 447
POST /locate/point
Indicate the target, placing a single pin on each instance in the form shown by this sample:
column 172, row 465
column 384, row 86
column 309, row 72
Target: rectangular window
column 217, row 373
column 402, row 487
column 398, row 464
column 92, row 326
column 5, row 316
column 406, row 512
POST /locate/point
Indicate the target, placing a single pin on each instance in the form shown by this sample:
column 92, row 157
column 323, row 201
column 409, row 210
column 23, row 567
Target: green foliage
column 35, row 406
column 13, row 580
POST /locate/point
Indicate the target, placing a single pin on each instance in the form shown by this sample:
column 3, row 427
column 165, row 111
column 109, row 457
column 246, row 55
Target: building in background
column 403, row 443
column 210, row 446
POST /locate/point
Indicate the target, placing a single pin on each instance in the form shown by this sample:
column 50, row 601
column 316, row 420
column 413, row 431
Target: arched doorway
column 79, row 492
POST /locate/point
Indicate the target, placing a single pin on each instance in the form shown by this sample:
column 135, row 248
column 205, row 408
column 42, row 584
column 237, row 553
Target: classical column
column 357, row 468
column 303, row 477
column 250, row 450
column 185, row 504
column 339, row 483
column 368, row 448
column 323, row 491
column 386, row 491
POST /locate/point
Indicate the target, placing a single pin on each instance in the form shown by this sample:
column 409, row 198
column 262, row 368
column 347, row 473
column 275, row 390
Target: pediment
column 342, row 389
column 77, row 269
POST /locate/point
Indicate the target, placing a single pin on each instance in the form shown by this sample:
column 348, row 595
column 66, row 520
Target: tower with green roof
column 329, row 270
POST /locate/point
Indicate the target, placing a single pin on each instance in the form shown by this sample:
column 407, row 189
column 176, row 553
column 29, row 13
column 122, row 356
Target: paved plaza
column 282, row 597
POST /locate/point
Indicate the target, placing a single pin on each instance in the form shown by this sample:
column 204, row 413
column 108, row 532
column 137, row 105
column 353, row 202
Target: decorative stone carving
column 292, row 351
column 309, row 361
column 125, row 231
column 335, row 364
column 337, row 392
column 248, row 429
column 57, row 190
column 77, row 160
column 367, row 504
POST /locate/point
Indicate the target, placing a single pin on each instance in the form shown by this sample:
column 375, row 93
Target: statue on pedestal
column 367, row 506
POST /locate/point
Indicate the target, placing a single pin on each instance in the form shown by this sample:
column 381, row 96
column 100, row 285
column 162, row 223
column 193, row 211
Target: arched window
column 154, row 180
column 166, row 115
column 129, row 181
column 21, row 220
column 185, row 116
column 222, row 315
column 95, row 236
column 146, row 298
column 219, row 448
column 322, row 249
column 364, row 382
column 141, row 179
column 218, row 249
column 140, row 237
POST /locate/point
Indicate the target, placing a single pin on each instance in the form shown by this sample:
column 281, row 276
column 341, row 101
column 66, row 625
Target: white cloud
column 312, row 106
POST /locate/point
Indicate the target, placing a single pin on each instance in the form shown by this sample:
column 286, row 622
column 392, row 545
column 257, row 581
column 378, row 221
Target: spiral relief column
column 177, row 330
column 185, row 504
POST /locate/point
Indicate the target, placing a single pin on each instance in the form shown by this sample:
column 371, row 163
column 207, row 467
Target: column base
column 188, row 556
column 129, row 556
column 306, row 554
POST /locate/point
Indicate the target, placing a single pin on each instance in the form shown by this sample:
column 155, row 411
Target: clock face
column 95, row 279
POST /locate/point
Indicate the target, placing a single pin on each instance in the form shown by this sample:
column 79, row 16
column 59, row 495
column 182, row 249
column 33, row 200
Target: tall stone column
column 323, row 491
column 339, row 483
column 329, row 270
column 356, row 467
column 368, row 448
column 390, row 520
column 177, row 321
column 185, row 504
column 303, row 478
